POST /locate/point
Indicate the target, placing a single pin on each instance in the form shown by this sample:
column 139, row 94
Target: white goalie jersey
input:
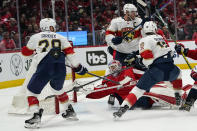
column 120, row 27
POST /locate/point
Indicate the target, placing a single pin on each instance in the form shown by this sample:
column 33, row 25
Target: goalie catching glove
column 80, row 70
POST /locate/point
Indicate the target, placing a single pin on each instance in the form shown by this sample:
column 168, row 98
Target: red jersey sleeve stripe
column 147, row 54
column 68, row 50
column 109, row 32
column 26, row 51
column 118, row 33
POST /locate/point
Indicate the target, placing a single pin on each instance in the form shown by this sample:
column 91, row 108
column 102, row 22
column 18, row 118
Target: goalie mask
column 129, row 8
column 114, row 66
column 48, row 24
column 149, row 27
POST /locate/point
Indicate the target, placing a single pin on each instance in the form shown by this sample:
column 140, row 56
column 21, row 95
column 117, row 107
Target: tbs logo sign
column 96, row 58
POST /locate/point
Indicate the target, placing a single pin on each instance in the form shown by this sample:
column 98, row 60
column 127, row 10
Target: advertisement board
column 14, row 66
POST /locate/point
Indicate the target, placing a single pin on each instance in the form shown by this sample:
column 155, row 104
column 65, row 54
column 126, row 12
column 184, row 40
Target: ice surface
column 95, row 115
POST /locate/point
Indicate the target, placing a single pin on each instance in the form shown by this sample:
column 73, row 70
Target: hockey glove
column 139, row 65
column 130, row 59
column 180, row 48
column 194, row 75
column 117, row 40
column 80, row 70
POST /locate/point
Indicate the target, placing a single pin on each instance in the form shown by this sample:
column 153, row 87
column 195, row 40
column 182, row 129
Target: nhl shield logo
column 16, row 64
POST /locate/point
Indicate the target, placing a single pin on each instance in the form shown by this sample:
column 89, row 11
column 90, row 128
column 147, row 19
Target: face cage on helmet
column 114, row 68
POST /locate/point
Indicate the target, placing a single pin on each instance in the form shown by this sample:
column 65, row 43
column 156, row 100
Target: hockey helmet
column 47, row 23
column 114, row 66
column 129, row 8
column 149, row 27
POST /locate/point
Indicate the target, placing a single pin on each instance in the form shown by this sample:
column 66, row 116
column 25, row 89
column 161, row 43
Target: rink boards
column 14, row 66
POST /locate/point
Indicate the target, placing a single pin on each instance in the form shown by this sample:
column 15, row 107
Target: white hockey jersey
column 118, row 27
column 152, row 47
column 43, row 42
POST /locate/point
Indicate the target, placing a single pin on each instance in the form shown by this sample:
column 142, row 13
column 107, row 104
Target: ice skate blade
column 32, row 126
column 72, row 118
column 116, row 118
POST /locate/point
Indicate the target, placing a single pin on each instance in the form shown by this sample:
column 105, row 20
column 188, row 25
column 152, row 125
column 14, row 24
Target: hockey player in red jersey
column 49, row 51
column 160, row 92
column 127, row 81
column 156, row 56
column 192, row 96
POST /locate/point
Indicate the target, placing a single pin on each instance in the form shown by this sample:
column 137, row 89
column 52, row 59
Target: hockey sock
column 177, row 85
column 63, row 98
column 130, row 100
column 33, row 103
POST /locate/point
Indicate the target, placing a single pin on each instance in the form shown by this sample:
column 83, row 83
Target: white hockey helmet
column 46, row 23
column 129, row 8
column 114, row 66
column 149, row 27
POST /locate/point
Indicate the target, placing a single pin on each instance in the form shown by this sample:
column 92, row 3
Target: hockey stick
column 76, row 88
column 173, row 37
column 99, row 76
column 103, row 78
column 142, row 3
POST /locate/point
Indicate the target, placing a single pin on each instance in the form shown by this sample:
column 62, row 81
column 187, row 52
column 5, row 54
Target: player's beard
column 129, row 17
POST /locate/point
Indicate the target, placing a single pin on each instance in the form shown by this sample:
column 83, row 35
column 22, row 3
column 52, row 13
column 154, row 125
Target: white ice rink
column 94, row 115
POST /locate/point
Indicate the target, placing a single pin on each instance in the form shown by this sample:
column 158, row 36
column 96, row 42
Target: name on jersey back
column 48, row 35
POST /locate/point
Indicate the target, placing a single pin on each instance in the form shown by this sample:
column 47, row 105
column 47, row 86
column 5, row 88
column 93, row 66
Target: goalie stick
column 107, row 88
column 165, row 98
column 173, row 37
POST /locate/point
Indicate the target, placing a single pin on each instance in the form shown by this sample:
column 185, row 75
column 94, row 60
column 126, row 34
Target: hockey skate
column 178, row 99
column 121, row 111
column 35, row 121
column 70, row 114
column 187, row 106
